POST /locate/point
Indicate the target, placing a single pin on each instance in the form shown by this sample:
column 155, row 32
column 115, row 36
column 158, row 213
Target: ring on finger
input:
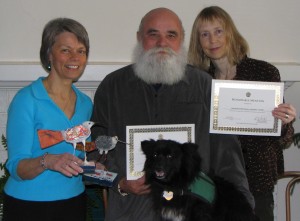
column 287, row 116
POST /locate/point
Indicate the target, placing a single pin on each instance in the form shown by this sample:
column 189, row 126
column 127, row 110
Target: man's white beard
column 156, row 68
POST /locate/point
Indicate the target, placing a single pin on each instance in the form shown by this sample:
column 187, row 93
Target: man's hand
column 137, row 187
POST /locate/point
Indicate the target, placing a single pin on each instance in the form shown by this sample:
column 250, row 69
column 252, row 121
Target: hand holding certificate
column 245, row 107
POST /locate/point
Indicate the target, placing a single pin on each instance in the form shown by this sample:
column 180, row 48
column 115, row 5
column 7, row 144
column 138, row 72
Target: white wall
column 270, row 26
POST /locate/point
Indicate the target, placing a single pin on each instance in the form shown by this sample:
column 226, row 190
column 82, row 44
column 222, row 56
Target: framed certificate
column 136, row 134
column 245, row 107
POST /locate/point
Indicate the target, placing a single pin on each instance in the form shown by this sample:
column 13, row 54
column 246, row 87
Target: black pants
column 264, row 206
column 73, row 209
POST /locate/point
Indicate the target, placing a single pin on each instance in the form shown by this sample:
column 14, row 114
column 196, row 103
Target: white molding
column 11, row 72
column 31, row 71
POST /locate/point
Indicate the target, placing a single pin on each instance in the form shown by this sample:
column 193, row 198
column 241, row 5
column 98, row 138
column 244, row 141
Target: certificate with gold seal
column 245, row 107
column 135, row 157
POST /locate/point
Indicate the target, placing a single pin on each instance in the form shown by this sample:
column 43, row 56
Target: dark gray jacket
column 122, row 99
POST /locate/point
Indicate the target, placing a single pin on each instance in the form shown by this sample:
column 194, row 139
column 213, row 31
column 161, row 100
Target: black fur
column 171, row 166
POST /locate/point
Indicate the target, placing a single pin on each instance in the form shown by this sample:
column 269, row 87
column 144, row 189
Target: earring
column 49, row 66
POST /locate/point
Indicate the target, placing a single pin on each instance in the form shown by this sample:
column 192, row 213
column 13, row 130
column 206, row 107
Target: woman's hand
column 66, row 164
column 100, row 166
column 285, row 112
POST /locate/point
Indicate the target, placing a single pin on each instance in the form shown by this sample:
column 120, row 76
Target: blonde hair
column 237, row 47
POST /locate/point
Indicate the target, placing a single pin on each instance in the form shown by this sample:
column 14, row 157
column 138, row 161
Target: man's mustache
column 165, row 50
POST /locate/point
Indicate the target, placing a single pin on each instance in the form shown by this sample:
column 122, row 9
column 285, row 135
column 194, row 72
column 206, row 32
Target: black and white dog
column 171, row 168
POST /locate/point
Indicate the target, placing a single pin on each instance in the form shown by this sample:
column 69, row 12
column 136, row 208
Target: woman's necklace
column 228, row 75
column 60, row 102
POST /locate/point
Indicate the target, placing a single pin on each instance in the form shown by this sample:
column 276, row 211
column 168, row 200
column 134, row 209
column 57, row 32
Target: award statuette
column 75, row 135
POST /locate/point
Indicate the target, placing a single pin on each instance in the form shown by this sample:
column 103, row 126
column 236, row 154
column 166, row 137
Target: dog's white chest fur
column 172, row 214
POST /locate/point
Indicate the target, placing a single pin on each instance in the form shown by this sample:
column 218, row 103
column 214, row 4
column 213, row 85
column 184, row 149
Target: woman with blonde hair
column 217, row 47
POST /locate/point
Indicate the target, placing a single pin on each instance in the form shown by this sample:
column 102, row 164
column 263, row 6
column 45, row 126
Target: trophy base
column 100, row 177
column 89, row 167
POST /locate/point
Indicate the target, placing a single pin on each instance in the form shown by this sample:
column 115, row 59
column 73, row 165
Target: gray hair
column 55, row 27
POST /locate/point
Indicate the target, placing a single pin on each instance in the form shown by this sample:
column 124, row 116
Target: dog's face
column 171, row 163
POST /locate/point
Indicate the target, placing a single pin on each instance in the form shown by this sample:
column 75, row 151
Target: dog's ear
column 190, row 151
column 147, row 146
column 189, row 148
column 191, row 160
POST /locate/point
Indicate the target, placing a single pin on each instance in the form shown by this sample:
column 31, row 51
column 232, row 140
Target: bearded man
column 159, row 88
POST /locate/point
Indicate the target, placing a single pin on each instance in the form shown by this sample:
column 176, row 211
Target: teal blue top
column 32, row 109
